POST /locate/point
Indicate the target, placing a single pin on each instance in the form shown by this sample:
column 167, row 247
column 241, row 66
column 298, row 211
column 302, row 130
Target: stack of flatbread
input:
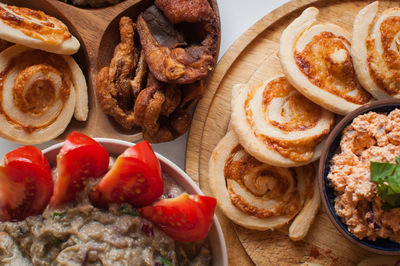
column 262, row 171
column 42, row 86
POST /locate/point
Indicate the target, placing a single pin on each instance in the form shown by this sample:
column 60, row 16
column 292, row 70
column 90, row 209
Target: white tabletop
column 236, row 17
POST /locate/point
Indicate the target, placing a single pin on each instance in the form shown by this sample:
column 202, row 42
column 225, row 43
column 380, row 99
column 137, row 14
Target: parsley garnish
column 387, row 177
column 59, row 215
column 56, row 242
column 128, row 210
column 164, row 261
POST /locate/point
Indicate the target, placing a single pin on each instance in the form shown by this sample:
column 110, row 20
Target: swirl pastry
column 252, row 194
column 36, row 29
column 278, row 125
column 316, row 60
column 375, row 51
column 39, row 93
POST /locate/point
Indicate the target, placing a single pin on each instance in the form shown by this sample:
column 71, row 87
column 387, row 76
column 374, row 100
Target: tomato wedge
column 80, row 158
column 186, row 218
column 26, row 184
column 135, row 178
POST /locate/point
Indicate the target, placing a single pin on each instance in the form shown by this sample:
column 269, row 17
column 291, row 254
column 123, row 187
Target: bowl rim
column 323, row 163
column 223, row 257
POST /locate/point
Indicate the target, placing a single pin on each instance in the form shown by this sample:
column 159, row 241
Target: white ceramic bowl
column 116, row 147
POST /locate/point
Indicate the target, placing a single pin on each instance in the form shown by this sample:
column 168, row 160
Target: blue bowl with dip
column 327, row 192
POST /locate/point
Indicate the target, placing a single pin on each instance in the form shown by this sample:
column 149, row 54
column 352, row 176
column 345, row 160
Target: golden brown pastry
column 375, row 50
column 253, row 194
column 278, row 125
column 316, row 60
column 35, row 29
column 39, row 93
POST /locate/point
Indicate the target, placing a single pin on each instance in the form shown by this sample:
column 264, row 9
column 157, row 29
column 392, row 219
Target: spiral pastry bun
column 277, row 125
column 316, row 60
column 36, row 29
column 375, row 50
column 253, row 194
column 39, row 93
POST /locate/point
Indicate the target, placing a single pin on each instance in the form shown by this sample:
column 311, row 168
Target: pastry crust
column 316, row 60
column 277, row 125
column 275, row 206
column 37, row 30
column 39, row 94
column 376, row 61
column 302, row 223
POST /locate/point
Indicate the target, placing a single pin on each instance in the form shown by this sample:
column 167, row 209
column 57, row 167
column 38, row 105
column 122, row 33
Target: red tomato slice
column 80, row 158
column 186, row 218
column 135, row 178
column 26, row 184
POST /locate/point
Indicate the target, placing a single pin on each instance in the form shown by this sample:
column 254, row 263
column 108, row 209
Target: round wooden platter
column 98, row 32
column 252, row 59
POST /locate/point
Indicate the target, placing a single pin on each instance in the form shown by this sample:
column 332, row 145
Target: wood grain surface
column 98, row 32
column 252, row 59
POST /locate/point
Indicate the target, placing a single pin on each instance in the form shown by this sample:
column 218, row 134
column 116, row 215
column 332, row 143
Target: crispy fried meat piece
column 108, row 102
column 156, row 112
column 168, row 57
column 191, row 94
column 123, row 63
column 141, row 71
column 113, row 86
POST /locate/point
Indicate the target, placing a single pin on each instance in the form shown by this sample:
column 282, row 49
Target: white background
column 236, row 17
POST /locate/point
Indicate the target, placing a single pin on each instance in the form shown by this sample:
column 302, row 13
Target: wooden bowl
column 327, row 192
column 98, row 32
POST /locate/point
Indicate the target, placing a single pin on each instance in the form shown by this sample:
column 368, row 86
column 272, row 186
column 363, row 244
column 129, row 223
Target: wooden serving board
column 251, row 59
column 98, row 32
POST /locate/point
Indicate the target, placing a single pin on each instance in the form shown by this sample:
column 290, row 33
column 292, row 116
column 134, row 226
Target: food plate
column 116, row 147
column 381, row 246
column 98, row 33
column 251, row 60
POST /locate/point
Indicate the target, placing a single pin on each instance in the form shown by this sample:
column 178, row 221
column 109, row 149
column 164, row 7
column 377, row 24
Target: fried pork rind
column 114, row 91
column 133, row 91
column 169, row 58
column 156, row 112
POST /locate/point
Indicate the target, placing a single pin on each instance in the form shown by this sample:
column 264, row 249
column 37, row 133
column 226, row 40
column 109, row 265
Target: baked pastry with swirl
column 278, row 125
column 316, row 60
column 256, row 195
column 39, row 93
column 36, row 29
column 375, row 50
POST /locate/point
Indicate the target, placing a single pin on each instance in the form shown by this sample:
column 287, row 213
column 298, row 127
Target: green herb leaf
column 387, row 177
column 128, row 210
column 56, row 242
column 164, row 261
column 380, row 171
column 59, row 215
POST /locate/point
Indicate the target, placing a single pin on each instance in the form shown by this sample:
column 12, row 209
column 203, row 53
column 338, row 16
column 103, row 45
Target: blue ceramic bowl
column 380, row 246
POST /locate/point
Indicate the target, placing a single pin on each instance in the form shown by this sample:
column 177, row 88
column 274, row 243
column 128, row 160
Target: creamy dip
column 370, row 137
column 77, row 233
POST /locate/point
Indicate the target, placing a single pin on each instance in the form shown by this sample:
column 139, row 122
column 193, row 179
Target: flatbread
column 250, row 193
column 39, row 94
column 277, row 125
column 36, row 29
column 376, row 62
column 316, row 60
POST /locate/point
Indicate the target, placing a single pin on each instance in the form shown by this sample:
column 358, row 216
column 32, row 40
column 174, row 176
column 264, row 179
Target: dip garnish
column 387, row 177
